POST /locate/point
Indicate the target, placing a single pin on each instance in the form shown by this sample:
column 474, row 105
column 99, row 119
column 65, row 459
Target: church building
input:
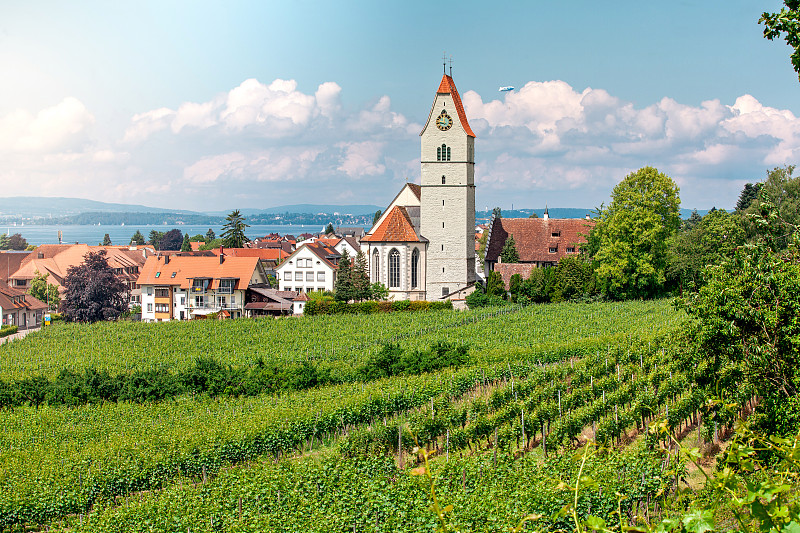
column 423, row 245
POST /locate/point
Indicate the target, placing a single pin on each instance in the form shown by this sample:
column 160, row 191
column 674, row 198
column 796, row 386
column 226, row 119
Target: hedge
column 5, row 331
column 318, row 307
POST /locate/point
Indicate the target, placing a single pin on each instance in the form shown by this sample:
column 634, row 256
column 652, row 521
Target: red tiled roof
column 396, row 227
column 534, row 237
column 11, row 299
column 448, row 86
column 10, row 263
column 189, row 267
column 416, row 189
column 265, row 254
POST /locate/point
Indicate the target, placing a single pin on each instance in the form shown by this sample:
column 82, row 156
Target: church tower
column 447, row 208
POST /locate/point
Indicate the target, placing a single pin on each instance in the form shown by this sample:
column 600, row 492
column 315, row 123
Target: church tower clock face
column 443, row 121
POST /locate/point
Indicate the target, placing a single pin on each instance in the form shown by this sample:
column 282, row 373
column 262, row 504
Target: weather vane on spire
column 451, row 66
column 444, row 62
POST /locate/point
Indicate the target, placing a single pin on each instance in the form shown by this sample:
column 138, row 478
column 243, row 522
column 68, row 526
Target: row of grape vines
column 343, row 342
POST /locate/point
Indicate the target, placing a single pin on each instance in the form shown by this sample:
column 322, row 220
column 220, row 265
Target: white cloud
column 362, row 159
column 546, row 143
column 65, row 126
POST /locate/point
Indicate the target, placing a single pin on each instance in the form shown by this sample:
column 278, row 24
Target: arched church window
column 376, row 267
column 414, row 268
column 394, row 268
column 438, row 153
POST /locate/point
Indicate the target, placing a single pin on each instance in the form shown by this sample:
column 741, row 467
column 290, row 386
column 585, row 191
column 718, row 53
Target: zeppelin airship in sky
column 506, row 89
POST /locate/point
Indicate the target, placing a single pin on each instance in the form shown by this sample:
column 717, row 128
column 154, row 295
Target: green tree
column 106, row 240
column 693, row 220
column 210, row 235
column 378, row 292
column 746, row 197
column 515, row 286
column 787, row 22
column 329, row 229
column 495, row 286
column 233, row 230
column 538, row 286
column 632, row 233
column 43, row 291
column 210, row 245
column 360, row 278
column 533, row 215
column 781, row 190
column 747, row 326
column 690, row 250
column 376, row 216
column 155, row 238
column 497, row 213
column 186, row 246
column 482, row 246
column 344, row 279
column 572, row 279
column 138, row 238
column 4, row 241
column 509, row 252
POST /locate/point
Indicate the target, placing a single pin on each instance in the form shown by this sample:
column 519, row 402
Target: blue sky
column 254, row 104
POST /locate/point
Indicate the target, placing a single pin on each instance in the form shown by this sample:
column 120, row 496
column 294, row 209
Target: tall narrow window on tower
column 394, row 268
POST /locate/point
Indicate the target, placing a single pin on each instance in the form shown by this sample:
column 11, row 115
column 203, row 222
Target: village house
column 264, row 301
column 540, row 242
column 10, row 261
column 20, row 309
column 56, row 259
column 312, row 267
column 183, row 287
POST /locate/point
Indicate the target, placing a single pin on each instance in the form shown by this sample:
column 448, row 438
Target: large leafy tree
column 631, row 234
column 210, row 235
column 43, row 291
column 15, row 242
column 786, row 24
column 172, row 240
column 93, row 292
column 713, row 239
column 781, row 191
column 748, row 194
column 233, row 230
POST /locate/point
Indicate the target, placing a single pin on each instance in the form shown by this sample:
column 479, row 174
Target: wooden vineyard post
column 559, row 403
column 494, row 450
column 240, row 507
column 524, row 446
column 400, row 445
column 448, row 444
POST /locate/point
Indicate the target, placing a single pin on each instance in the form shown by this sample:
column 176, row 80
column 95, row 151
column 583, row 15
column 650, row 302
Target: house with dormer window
column 312, row 267
column 185, row 287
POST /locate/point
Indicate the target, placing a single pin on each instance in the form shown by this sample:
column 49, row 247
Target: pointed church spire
column 546, row 213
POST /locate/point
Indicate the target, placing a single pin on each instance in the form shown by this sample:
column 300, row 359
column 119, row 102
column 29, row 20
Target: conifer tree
column 344, row 279
column 360, row 277
column 509, row 252
column 186, row 246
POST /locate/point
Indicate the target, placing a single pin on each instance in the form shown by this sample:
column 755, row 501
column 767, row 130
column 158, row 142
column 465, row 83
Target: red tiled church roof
column 396, row 227
column 534, row 237
column 448, row 86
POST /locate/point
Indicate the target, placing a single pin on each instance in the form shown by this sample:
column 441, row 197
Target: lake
column 93, row 235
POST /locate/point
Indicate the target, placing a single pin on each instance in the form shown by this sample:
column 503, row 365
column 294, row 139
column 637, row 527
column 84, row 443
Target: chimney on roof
column 166, row 259
column 588, row 217
column 221, row 254
column 40, row 255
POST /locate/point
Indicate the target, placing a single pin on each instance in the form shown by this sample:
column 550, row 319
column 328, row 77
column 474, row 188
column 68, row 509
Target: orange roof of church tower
column 448, row 86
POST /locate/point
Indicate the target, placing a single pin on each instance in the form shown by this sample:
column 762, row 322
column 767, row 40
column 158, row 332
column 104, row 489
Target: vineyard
column 540, row 381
